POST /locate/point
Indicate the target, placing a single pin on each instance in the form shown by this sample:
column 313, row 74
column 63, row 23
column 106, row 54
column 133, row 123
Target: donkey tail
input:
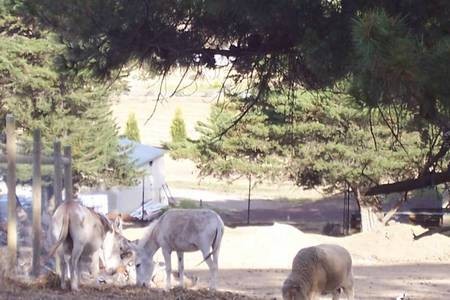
column 63, row 234
column 215, row 243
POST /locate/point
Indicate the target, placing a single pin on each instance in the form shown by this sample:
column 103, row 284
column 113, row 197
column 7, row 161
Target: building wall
column 157, row 170
column 128, row 199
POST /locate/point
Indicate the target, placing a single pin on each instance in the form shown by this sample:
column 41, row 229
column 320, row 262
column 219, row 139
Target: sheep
column 319, row 270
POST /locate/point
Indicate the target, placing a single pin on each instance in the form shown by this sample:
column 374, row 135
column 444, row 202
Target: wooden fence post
column 57, row 186
column 11, row 182
column 37, row 202
column 68, row 173
column 57, row 179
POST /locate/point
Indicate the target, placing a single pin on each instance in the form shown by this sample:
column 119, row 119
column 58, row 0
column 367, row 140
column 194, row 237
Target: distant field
column 195, row 102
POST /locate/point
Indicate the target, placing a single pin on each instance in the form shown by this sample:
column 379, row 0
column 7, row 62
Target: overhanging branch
column 410, row 184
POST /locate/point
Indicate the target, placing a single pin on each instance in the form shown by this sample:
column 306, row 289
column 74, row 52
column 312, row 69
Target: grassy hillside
column 141, row 99
column 195, row 102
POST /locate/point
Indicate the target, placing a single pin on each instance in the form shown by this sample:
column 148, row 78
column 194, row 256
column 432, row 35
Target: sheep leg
column 168, row 261
column 180, row 255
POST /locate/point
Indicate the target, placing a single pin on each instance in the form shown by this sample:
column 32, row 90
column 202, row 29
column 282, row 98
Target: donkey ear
column 133, row 245
column 118, row 224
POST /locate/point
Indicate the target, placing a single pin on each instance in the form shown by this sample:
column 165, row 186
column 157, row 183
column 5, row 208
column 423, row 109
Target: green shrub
column 132, row 129
column 178, row 128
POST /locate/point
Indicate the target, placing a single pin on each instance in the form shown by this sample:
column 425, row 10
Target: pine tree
column 41, row 92
column 313, row 140
column 328, row 142
column 178, row 128
column 132, row 129
column 243, row 151
column 393, row 53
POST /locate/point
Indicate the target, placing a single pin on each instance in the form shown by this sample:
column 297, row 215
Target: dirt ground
column 387, row 262
column 418, row 281
column 255, row 260
column 10, row 290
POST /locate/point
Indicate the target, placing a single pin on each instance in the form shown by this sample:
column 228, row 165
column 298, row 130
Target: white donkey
column 180, row 230
column 79, row 231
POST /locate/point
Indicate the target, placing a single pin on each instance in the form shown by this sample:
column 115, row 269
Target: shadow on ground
column 418, row 281
column 307, row 215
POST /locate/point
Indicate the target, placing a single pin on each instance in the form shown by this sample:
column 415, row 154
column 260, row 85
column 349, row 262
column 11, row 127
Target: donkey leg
column 168, row 261
column 348, row 288
column 66, row 270
column 215, row 258
column 211, row 266
column 349, row 292
column 180, row 255
column 336, row 295
column 74, row 268
column 63, row 268
column 94, row 268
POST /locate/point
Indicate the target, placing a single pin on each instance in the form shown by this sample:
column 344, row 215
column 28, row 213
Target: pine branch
column 263, row 85
column 159, row 96
column 410, row 184
column 445, row 147
column 392, row 130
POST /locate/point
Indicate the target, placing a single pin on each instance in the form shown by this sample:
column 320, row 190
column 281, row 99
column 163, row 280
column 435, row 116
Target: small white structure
column 151, row 189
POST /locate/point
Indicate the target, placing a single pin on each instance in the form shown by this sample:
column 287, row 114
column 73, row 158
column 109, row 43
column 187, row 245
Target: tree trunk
column 369, row 218
column 392, row 212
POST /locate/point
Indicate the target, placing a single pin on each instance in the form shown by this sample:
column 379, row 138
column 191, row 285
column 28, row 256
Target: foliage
column 243, row 151
column 313, row 139
column 41, row 92
column 178, row 128
column 332, row 144
column 132, row 129
column 403, row 60
column 401, row 47
column 188, row 204
column 391, row 53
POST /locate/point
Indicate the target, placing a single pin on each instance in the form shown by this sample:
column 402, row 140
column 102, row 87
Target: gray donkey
column 80, row 231
column 180, row 230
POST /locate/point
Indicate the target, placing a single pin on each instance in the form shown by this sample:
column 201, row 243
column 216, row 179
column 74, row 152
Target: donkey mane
column 149, row 233
column 103, row 220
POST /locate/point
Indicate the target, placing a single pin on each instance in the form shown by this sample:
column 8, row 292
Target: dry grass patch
column 17, row 290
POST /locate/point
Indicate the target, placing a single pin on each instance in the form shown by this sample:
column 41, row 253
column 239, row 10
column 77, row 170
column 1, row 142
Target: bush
column 132, row 129
column 178, row 128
